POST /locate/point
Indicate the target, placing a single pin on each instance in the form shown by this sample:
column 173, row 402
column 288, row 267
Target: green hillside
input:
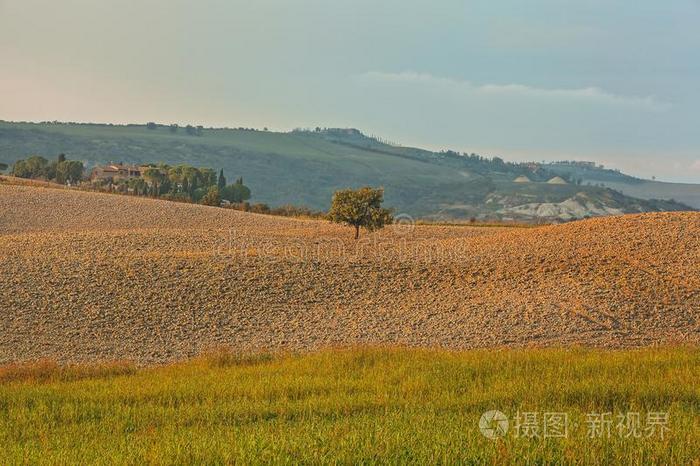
column 305, row 168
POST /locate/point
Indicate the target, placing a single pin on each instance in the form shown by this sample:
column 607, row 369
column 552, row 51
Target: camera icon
column 493, row 424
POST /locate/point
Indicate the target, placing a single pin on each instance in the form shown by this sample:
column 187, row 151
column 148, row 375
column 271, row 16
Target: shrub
column 212, row 197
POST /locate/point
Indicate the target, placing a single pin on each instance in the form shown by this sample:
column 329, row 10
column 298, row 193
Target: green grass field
column 356, row 406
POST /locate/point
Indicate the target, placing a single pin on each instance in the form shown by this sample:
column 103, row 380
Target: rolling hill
column 686, row 193
column 90, row 276
column 306, row 167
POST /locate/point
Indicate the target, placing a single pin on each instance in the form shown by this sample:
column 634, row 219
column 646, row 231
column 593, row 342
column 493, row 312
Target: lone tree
column 360, row 208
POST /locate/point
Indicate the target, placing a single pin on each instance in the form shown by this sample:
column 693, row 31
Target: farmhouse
column 115, row 172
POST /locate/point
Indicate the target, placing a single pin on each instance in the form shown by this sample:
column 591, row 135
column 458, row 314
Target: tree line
column 184, row 183
column 179, row 183
column 60, row 170
column 174, row 128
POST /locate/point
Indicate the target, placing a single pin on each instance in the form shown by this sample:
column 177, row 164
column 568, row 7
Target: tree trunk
column 357, row 231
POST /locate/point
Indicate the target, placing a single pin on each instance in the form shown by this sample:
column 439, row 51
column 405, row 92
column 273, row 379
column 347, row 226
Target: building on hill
column 557, row 180
column 522, row 179
column 115, row 172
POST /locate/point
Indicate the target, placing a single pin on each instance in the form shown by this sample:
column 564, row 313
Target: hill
column 306, row 167
column 92, row 276
column 590, row 173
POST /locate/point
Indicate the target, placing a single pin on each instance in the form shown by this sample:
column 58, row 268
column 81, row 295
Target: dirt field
column 87, row 276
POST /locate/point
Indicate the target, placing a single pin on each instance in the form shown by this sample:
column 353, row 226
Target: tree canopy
column 236, row 192
column 212, row 197
column 185, row 182
column 361, row 208
column 69, row 172
column 61, row 170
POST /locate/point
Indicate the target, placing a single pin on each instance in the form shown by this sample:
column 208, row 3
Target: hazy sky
column 616, row 81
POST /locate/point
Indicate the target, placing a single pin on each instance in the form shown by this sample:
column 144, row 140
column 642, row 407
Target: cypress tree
column 222, row 180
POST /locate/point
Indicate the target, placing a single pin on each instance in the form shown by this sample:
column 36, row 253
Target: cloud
column 696, row 164
column 590, row 94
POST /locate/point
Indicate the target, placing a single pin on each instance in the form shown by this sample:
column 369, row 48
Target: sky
column 612, row 81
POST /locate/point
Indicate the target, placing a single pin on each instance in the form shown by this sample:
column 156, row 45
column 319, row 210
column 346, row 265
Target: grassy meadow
column 353, row 406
